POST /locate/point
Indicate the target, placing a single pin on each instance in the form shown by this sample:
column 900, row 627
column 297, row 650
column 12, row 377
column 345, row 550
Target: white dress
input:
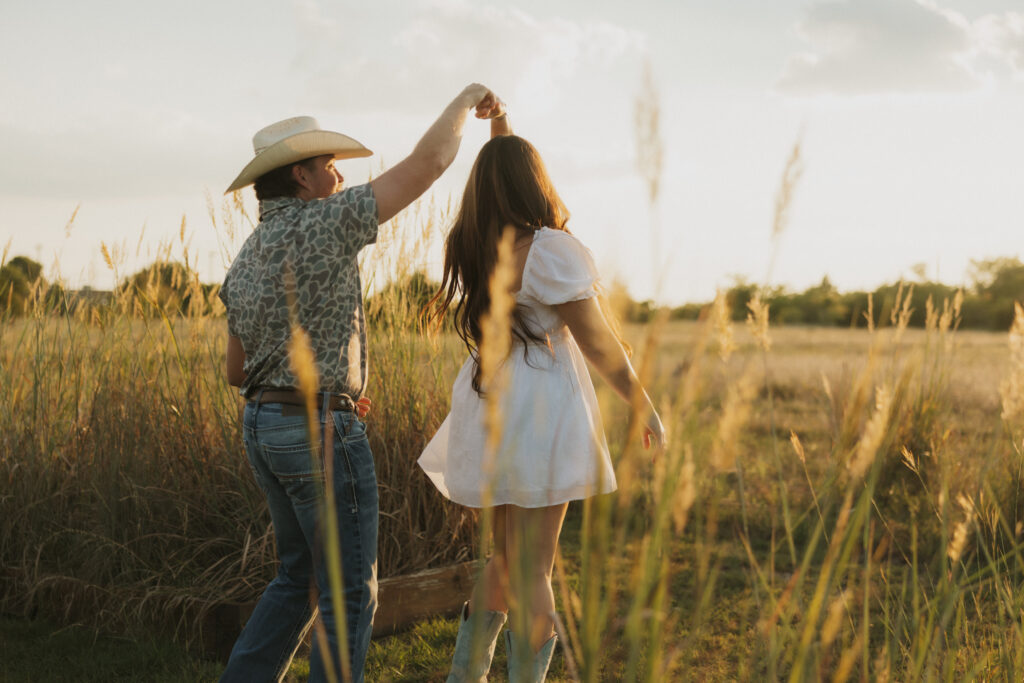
column 553, row 447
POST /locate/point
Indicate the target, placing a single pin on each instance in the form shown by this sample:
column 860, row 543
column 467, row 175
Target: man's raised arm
column 399, row 186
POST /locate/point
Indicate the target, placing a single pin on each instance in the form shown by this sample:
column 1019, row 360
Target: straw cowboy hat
column 291, row 140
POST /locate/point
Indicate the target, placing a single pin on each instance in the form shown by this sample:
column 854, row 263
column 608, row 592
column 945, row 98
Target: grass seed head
column 787, row 186
column 873, row 434
column 834, row 621
column 908, row 459
column 931, row 315
column 757, row 321
column 722, row 320
column 798, row 447
column 496, row 337
column 303, row 362
column 735, row 414
column 685, row 491
column 107, row 258
column 1011, row 389
column 958, row 542
column 71, row 221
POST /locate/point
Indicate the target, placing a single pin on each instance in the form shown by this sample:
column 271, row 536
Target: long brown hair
column 508, row 185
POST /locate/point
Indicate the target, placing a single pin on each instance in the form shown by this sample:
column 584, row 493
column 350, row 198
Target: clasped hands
column 486, row 103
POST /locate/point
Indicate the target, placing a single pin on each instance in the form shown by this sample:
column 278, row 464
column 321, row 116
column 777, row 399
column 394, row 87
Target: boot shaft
column 525, row 666
column 474, row 646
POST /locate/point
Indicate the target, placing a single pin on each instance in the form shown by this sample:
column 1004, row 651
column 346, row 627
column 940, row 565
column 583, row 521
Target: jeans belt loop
column 259, row 402
column 325, row 407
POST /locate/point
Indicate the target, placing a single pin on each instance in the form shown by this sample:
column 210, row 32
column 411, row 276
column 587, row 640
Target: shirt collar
column 269, row 206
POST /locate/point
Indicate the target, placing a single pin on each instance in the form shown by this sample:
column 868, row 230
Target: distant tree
column 823, row 304
column 14, row 291
column 624, row 307
column 687, row 312
column 857, row 305
column 739, row 295
column 997, row 278
column 19, row 278
column 166, row 286
column 32, row 270
column 401, row 302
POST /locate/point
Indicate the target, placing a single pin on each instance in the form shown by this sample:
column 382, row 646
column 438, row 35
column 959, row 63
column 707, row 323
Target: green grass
column 38, row 651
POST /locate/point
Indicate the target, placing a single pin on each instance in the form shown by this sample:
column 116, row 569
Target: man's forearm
column 437, row 148
column 398, row 187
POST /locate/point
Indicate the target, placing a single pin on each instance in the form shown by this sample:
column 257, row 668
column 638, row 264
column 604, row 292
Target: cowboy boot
column 465, row 668
column 522, row 668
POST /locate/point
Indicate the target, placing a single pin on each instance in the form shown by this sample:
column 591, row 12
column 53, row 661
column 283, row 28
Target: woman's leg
column 474, row 645
column 490, row 592
column 531, row 542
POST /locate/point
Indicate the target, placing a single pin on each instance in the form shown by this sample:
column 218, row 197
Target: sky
column 130, row 115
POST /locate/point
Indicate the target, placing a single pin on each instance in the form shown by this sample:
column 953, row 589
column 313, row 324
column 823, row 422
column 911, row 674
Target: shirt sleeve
column 223, row 295
column 350, row 216
column 559, row 269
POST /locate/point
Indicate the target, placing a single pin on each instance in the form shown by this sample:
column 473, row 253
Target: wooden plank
column 404, row 600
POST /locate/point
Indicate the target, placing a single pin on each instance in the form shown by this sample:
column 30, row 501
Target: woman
column 552, row 448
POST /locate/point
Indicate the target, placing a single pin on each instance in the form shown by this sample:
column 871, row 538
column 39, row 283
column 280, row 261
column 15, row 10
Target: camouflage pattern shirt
column 301, row 261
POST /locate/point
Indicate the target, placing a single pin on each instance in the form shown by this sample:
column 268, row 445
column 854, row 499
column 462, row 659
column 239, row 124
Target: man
column 299, row 266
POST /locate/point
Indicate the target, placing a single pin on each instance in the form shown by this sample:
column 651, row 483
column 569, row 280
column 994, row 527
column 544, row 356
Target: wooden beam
column 405, row 600
column 401, row 602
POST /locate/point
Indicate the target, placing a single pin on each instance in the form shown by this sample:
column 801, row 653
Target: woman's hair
column 508, row 185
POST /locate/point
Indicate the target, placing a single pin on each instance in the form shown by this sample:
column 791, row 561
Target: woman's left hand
column 654, row 432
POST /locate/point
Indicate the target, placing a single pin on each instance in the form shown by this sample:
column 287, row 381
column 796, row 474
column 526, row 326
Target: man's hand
column 486, row 103
column 363, row 407
column 490, row 107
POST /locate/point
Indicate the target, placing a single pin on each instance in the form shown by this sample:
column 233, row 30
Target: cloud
column 1001, row 38
column 902, row 46
column 878, row 46
column 379, row 70
column 455, row 42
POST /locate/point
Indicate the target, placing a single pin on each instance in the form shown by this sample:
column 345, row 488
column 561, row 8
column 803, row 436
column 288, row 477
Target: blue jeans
column 281, row 458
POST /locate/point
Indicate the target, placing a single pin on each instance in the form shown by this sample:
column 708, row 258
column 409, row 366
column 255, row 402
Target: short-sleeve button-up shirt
column 301, row 261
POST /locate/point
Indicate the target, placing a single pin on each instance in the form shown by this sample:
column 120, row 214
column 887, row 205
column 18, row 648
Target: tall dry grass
column 128, row 501
column 811, row 519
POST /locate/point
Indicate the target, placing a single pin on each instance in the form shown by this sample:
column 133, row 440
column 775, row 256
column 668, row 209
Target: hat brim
column 312, row 143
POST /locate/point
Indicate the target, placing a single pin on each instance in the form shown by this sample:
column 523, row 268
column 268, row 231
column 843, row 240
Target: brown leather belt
column 291, row 397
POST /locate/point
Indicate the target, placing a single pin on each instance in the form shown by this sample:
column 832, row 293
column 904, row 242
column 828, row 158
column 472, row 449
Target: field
column 834, row 504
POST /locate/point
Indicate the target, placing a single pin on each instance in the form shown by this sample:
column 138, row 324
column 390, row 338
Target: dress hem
column 535, row 499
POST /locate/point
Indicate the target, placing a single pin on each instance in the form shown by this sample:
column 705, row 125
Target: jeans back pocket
column 297, row 468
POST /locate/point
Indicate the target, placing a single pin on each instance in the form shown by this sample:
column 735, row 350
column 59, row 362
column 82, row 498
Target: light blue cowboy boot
column 465, row 667
column 522, row 668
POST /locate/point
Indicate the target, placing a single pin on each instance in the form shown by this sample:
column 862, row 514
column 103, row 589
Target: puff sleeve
column 559, row 269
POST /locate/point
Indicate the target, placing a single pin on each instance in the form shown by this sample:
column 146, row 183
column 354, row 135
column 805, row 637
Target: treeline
column 23, row 287
column 987, row 301
column 172, row 288
column 164, row 287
